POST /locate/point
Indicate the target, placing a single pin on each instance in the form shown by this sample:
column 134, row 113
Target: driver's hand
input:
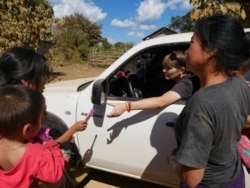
column 118, row 109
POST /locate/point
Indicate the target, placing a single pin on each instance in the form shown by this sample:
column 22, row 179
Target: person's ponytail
column 247, row 46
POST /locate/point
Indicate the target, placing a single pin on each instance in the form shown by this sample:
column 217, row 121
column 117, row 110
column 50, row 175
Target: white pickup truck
column 136, row 143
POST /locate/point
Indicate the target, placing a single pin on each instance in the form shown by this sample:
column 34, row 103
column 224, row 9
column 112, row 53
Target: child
column 23, row 163
column 23, row 65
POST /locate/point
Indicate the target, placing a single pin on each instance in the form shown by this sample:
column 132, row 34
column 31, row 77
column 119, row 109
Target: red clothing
column 41, row 162
column 121, row 74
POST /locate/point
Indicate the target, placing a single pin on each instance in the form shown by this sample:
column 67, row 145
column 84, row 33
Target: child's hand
column 80, row 126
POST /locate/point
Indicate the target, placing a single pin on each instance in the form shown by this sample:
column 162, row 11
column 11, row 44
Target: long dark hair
column 225, row 35
column 22, row 63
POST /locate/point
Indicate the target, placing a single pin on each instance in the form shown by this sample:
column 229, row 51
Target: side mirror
column 98, row 92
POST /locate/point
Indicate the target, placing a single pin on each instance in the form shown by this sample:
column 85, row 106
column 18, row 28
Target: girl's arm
column 188, row 175
column 149, row 103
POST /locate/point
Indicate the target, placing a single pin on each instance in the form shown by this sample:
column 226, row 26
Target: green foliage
column 68, row 40
column 73, row 39
column 77, row 40
column 120, row 45
column 105, row 44
column 24, row 22
column 91, row 31
column 202, row 8
column 182, row 23
column 73, row 36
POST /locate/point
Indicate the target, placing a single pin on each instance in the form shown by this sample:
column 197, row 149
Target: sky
column 124, row 20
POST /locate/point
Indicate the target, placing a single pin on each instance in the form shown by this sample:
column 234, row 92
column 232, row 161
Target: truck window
column 142, row 76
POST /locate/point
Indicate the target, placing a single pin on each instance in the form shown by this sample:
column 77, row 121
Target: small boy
column 23, row 163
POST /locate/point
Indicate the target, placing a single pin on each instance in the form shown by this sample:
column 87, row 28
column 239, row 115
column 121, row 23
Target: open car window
column 141, row 76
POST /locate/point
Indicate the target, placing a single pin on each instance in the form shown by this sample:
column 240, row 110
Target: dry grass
column 74, row 71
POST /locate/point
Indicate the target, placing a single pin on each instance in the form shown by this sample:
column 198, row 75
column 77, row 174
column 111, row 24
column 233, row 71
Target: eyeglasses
column 173, row 57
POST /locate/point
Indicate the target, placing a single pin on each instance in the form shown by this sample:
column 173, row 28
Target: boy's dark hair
column 22, row 63
column 19, row 105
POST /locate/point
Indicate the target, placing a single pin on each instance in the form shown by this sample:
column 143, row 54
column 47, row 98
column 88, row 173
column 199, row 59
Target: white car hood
column 62, row 97
column 68, row 85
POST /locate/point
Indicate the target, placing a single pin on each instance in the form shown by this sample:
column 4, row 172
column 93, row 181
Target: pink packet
column 42, row 136
column 89, row 114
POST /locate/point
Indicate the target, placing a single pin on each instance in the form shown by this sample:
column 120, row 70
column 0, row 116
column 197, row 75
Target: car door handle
column 170, row 124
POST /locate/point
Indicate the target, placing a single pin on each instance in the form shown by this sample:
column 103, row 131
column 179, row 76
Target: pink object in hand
column 42, row 136
column 244, row 148
column 89, row 114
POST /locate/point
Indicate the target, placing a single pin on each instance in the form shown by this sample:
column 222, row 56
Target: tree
column 24, row 22
column 182, row 23
column 201, row 8
column 124, row 46
column 73, row 36
column 90, row 31
column 237, row 8
column 105, row 44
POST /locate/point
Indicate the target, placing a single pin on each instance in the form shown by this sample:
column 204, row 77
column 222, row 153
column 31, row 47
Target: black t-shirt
column 209, row 128
column 186, row 86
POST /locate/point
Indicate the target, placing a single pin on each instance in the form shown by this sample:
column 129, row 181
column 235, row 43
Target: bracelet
column 128, row 106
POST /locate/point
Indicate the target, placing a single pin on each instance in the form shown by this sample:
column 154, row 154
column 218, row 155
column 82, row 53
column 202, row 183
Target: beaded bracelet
column 128, row 106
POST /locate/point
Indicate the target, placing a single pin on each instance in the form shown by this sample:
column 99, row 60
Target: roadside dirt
column 74, row 71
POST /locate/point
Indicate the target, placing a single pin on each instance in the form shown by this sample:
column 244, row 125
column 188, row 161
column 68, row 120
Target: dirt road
column 99, row 179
